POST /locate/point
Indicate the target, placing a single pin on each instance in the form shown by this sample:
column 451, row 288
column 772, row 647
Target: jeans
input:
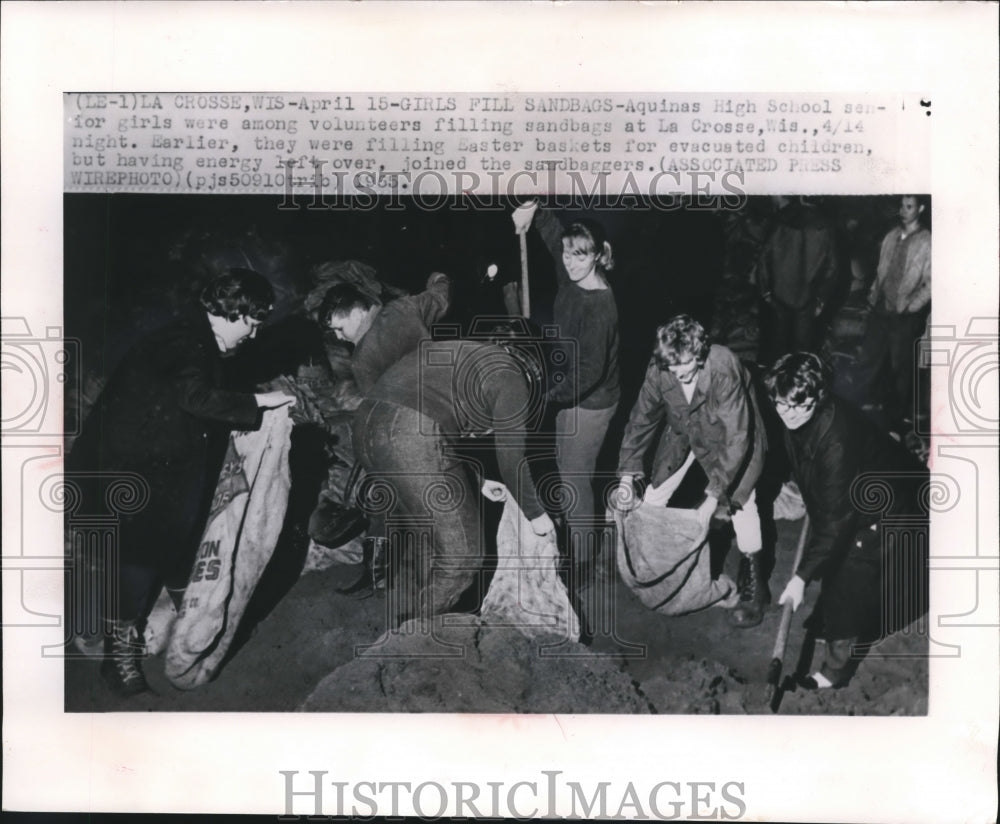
column 411, row 460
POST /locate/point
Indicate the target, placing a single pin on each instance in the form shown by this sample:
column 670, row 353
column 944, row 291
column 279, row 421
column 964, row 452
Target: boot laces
column 125, row 648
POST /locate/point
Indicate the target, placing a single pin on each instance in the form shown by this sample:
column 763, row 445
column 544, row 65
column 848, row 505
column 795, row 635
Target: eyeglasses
column 802, row 407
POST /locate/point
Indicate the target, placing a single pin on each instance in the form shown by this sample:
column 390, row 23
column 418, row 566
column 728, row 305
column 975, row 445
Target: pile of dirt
column 695, row 686
column 883, row 685
column 461, row 664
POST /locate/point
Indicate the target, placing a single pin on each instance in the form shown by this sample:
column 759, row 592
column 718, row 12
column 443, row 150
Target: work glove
column 522, row 217
column 794, row 592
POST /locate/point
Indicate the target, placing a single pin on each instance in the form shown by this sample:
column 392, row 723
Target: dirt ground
column 307, row 651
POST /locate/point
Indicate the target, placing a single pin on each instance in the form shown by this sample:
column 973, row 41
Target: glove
column 542, row 525
column 794, row 592
column 494, row 490
column 522, row 217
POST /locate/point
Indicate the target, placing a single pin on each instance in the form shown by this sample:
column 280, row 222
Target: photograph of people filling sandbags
column 538, row 454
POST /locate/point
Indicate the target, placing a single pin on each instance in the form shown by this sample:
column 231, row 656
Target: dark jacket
column 798, row 263
column 827, row 455
column 165, row 416
column 398, row 328
column 721, row 425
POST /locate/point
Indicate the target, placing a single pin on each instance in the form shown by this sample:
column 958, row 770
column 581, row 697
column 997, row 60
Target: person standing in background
column 797, row 276
column 900, row 302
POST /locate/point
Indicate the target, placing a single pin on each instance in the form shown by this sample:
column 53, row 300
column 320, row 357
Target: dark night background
column 131, row 261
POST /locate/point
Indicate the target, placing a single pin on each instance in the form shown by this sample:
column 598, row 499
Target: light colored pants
column 746, row 523
column 579, row 437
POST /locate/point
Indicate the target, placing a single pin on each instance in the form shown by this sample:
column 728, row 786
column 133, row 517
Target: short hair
column 342, row 299
column 680, row 339
column 239, row 293
column 590, row 235
column 923, row 206
column 798, row 377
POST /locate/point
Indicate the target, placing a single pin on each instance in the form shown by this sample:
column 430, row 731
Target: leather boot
column 753, row 592
column 121, row 669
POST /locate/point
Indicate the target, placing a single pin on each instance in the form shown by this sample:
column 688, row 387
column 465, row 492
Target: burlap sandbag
column 526, row 591
column 243, row 527
column 659, row 563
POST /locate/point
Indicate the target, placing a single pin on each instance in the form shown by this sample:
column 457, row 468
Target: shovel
column 781, row 641
column 525, row 300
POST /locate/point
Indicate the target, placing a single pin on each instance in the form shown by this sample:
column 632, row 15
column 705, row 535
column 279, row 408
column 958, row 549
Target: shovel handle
column 781, row 641
column 525, row 300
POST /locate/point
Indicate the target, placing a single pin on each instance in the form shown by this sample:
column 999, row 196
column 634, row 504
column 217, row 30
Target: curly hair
column 237, row 294
column 680, row 339
column 798, row 378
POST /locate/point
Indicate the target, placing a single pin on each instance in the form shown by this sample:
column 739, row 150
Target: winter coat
column 165, row 416
column 827, row 454
column 798, row 264
column 721, row 425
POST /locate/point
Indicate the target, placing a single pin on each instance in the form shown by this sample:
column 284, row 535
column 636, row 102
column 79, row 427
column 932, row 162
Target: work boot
column 754, row 595
column 334, row 525
column 121, row 669
column 374, row 564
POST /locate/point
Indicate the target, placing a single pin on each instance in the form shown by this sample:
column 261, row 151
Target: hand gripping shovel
column 781, row 641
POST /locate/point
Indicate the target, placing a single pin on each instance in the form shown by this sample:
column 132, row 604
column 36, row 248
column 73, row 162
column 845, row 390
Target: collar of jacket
column 814, row 430
column 675, row 392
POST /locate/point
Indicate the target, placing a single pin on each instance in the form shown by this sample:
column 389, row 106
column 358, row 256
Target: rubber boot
column 121, row 669
column 754, row 595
